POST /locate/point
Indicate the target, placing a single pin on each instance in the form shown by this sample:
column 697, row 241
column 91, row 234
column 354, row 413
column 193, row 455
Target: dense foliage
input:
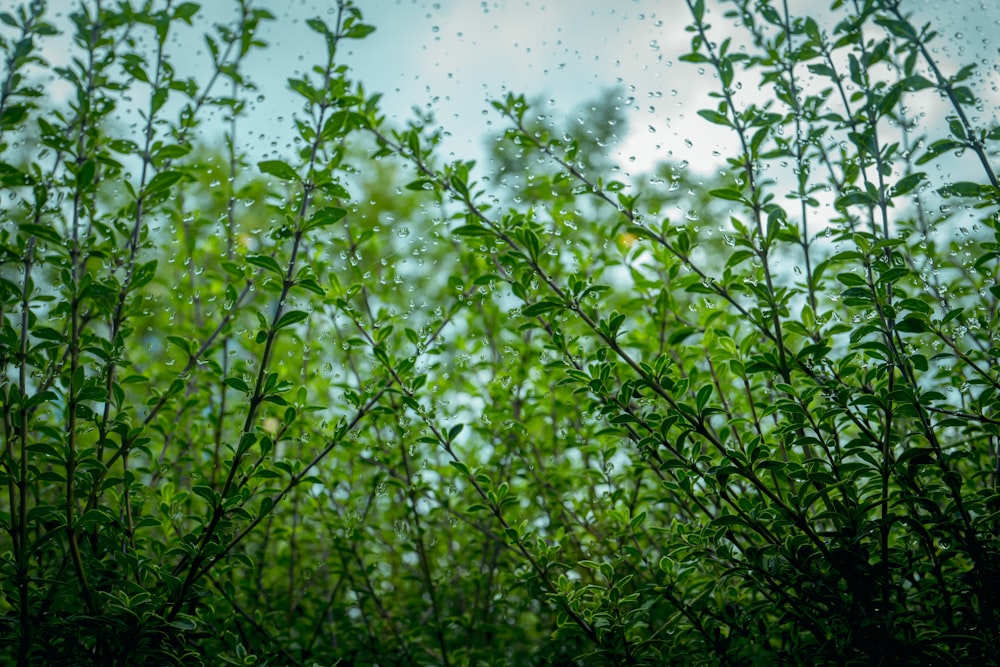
column 360, row 404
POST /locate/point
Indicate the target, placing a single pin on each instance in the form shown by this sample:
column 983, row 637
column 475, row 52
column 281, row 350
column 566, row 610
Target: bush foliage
column 362, row 403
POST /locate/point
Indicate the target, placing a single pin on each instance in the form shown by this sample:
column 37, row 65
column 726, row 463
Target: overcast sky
column 455, row 55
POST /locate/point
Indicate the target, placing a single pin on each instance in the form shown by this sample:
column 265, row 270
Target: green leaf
column 12, row 176
column 144, row 274
column 206, row 492
column 916, row 82
column 728, row 194
column 703, row 396
column 901, row 29
column 958, row 129
column 680, row 334
column 421, row 184
column 821, row 69
column 306, row 90
column 855, row 199
column 911, row 325
column 267, row 263
column 162, row 182
column 290, row 318
column 542, row 307
column 239, row 384
column 908, row 183
column 471, row 230
column 317, row 25
column 961, row 189
column 85, row 175
column 727, row 520
column 310, row 284
column 698, row 11
column 715, row 117
column 171, row 152
column 41, row 232
column 40, row 398
column 278, row 169
column 325, row 216
column 185, row 11
column 185, row 623
column 460, row 186
column 938, row 148
column 737, row 257
column 13, row 115
column 694, row 58
column 360, row 31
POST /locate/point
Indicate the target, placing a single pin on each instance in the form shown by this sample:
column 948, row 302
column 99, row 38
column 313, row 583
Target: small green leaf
column 86, row 173
column 144, row 274
column 12, row 116
column 421, row 184
column 908, row 183
column 715, row 117
column 938, row 148
column 239, row 384
column 911, row 325
column 41, row 232
column 961, row 189
column 821, row 69
column 206, row 492
column 471, row 230
column 728, row 194
column 171, row 152
column 360, row 31
column 325, row 216
column 541, row 307
column 855, row 199
column 698, row 10
column 317, row 25
column 916, row 82
column 162, row 182
column 12, row 176
column 185, row 11
column 181, row 342
column 184, row 623
column 290, row 318
column 279, row 169
column 267, row 263
column 460, row 186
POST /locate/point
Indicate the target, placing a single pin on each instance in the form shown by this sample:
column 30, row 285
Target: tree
column 357, row 404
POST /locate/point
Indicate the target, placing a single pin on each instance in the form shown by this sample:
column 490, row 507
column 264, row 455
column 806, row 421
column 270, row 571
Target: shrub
column 358, row 404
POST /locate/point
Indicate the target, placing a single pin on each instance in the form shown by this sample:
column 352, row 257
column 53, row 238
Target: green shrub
column 359, row 404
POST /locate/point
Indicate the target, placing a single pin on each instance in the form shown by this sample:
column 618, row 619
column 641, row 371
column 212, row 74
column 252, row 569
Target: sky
column 453, row 56
column 456, row 56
